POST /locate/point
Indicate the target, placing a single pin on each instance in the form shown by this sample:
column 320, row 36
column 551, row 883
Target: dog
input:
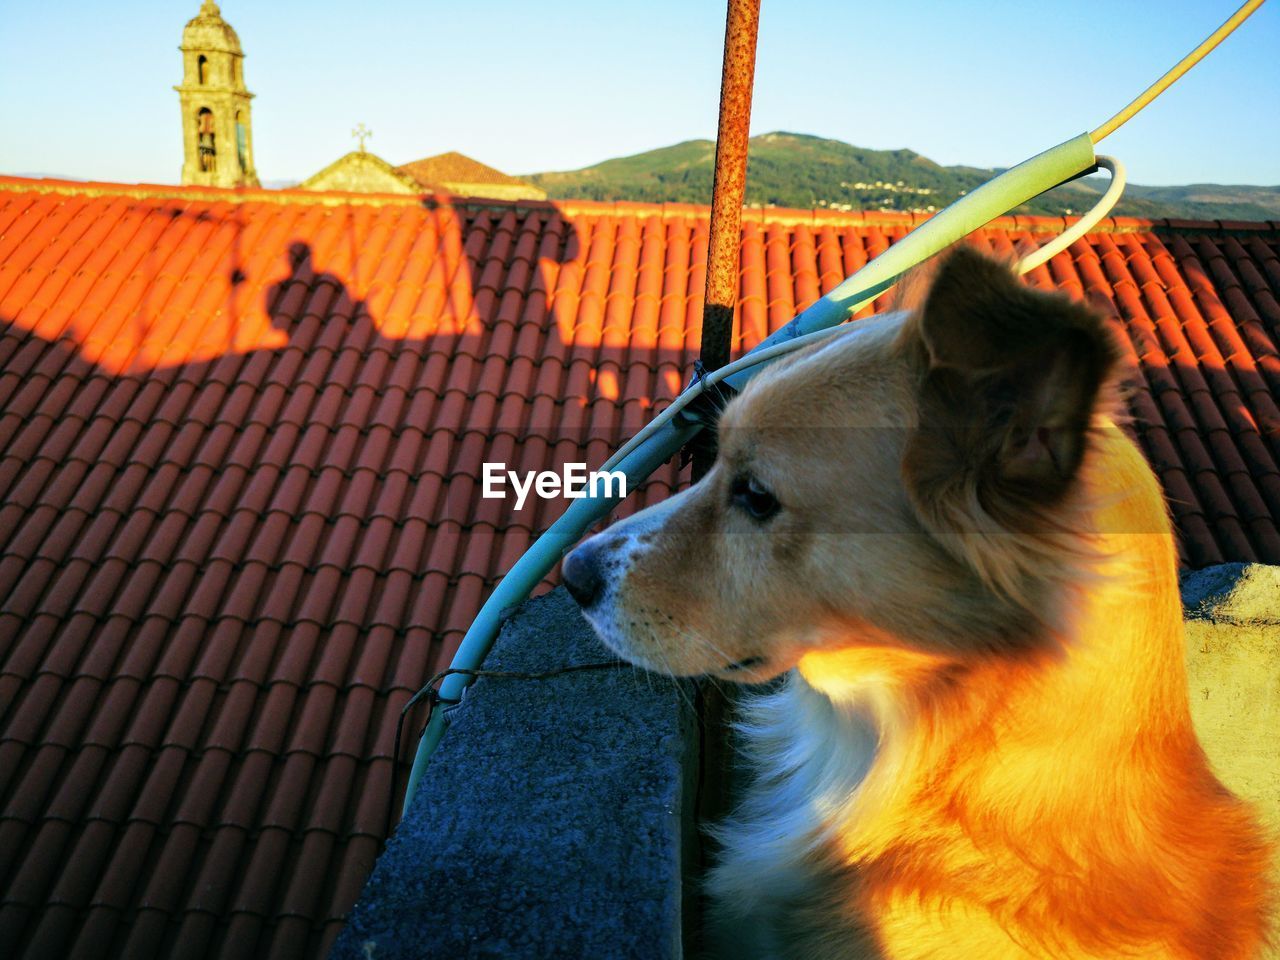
column 933, row 531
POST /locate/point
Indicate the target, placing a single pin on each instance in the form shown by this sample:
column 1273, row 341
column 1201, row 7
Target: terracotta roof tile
column 240, row 523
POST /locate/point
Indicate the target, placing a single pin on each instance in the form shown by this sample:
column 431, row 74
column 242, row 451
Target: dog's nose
column 581, row 572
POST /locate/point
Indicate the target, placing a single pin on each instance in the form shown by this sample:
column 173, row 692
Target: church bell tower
column 217, row 136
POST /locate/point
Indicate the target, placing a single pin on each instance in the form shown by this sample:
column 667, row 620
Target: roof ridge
column 785, row 216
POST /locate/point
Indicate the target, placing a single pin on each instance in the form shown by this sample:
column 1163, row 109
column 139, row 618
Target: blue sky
column 86, row 88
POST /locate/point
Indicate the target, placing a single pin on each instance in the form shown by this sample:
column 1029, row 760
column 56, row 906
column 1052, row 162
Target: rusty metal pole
column 716, row 774
column 727, row 192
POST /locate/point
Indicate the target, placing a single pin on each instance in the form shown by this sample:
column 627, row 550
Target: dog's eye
column 749, row 494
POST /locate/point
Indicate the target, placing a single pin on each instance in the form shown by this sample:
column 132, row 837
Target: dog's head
column 908, row 484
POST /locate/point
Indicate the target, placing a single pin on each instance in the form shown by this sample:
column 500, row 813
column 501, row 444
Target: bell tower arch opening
column 207, row 141
column 217, row 128
column 242, row 139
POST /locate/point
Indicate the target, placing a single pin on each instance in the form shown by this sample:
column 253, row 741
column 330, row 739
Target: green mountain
column 798, row 170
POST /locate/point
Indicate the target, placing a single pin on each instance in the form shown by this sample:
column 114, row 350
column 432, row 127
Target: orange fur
column 1062, row 804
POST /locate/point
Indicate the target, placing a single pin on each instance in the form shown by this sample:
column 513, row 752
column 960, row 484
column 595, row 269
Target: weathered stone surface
column 1241, row 593
column 1233, row 673
column 361, row 172
column 550, row 821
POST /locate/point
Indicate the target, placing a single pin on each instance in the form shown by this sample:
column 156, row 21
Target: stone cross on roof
column 361, row 133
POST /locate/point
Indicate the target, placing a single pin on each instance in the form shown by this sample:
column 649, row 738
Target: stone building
column 217, row 132
column 362, row 172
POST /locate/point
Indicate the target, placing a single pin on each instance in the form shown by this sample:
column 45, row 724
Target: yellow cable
column 1183, row 65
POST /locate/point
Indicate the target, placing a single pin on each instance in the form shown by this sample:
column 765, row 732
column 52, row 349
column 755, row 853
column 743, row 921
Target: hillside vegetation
column 798, row 170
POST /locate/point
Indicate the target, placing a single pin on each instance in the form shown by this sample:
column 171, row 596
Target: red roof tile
column 240, row 523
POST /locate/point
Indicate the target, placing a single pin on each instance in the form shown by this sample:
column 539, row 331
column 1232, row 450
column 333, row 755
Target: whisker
column 701, row 641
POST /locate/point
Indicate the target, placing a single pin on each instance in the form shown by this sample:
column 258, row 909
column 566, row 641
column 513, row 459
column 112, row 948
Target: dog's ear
column 1011, row 379
column 1013, row 373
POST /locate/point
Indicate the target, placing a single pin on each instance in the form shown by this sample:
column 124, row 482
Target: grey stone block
column 1239, row 593
column 551, row 820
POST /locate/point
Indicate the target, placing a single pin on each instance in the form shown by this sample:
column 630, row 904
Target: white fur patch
column 619, row 548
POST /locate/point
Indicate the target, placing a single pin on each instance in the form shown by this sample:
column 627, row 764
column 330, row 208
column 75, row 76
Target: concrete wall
column 552, row 820
column 555, row 820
